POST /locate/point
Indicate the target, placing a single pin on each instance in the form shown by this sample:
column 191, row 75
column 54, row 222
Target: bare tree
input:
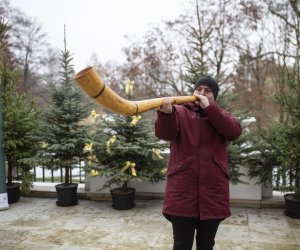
column 198, row 42
column 252, row 77
column 32, row 55
column 254, row 86
column 5, row 53
column 155, row 64
column 287, row 14
column 212, row 35
column 28, row 44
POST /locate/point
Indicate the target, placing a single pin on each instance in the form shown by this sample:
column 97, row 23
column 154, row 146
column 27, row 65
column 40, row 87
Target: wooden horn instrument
column 94, row 86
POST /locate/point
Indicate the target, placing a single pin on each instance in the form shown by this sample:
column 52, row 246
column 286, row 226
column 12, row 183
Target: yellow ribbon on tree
column 94, row 173
column 110, row 142
column 88, row 147
column 93, row 113
column 92, row 158
column 131, row 165
column 129, row 87
column 164, row 170
column 156, row 153
column 135, row 119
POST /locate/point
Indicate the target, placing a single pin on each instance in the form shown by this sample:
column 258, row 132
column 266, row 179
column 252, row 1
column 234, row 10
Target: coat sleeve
column 223, row 122
column 167, row 126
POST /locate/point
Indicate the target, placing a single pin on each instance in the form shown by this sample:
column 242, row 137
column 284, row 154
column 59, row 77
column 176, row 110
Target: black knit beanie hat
column 209, row 82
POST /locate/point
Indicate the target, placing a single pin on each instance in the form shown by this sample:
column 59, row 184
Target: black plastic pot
column 292, row 205
column 66, row 194
column 122, row 200
column 13, row 192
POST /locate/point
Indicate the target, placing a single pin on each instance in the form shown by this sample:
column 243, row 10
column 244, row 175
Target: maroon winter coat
column 198, row 174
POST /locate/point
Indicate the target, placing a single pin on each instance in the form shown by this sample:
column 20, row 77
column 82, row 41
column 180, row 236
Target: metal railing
column 42, row 174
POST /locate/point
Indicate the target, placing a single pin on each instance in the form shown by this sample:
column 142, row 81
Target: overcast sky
column 98, row 26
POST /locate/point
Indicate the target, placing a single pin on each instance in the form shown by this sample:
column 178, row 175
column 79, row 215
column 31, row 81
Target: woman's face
column 206, row 91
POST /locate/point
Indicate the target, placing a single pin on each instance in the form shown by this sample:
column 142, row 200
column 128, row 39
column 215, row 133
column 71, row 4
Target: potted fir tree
column 288, row 137
column 277, row 157
column 127, row 151
column 20, row 127
column 274, row 158
column 288, row 169
column 62, row 134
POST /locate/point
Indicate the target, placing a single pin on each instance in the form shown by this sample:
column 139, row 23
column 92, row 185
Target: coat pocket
column 180, row 166
column 223, row 167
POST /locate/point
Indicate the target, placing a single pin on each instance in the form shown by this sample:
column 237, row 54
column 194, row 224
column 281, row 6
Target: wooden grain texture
column 92, row 84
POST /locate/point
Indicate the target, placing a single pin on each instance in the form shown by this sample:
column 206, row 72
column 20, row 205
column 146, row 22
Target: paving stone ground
column 39, row 224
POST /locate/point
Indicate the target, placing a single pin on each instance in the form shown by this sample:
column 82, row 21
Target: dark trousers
column 184, row 230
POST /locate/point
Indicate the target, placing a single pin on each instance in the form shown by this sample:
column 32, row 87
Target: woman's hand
column 166, row 106
column 202, row 101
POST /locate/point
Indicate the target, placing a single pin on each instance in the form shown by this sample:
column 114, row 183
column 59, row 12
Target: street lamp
column 3, row 193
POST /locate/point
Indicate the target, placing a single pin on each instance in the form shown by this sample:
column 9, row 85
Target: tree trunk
column 9, row 172
column 125, row 186
column 67, row 174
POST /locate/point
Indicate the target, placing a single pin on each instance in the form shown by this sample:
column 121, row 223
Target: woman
column 197, row 189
